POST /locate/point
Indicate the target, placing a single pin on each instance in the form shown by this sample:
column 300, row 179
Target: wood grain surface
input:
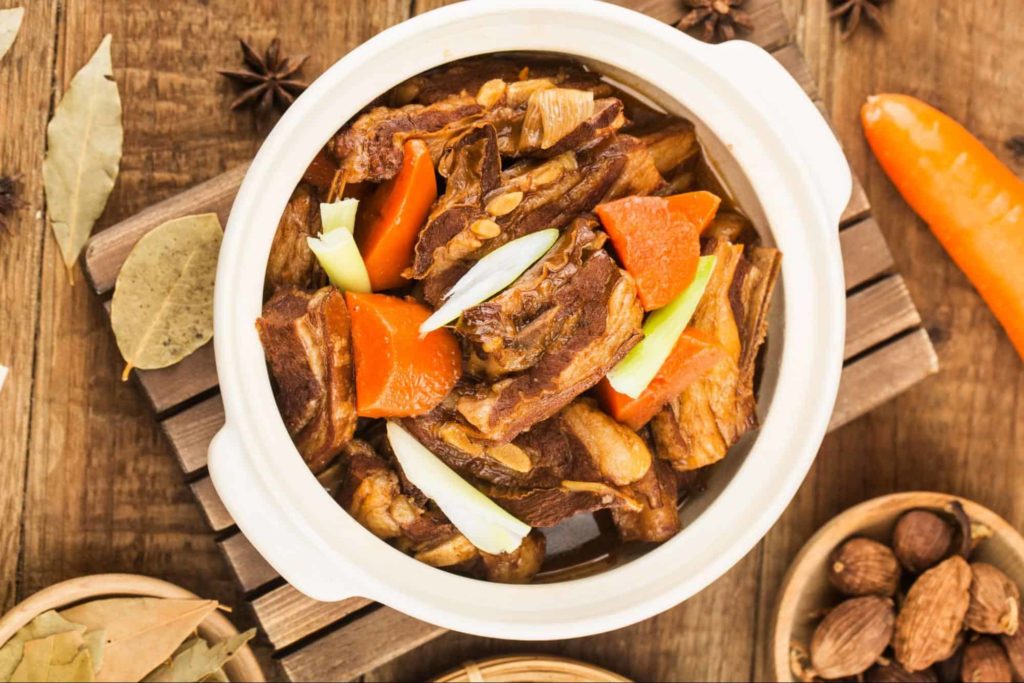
column 886, row 352
column 86, row 482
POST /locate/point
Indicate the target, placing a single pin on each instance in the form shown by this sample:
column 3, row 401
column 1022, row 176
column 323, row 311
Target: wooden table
column 86, row 484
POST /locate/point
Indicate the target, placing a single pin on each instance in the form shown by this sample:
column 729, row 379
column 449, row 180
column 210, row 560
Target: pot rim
column 325, row 553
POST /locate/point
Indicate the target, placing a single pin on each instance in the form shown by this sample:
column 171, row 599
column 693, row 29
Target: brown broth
column 589, row 544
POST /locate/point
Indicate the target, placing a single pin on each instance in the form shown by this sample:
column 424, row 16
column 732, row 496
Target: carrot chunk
column 658, row 240
column 694, row 354
column 698, row 207
column 389, row 223
column 398, row 374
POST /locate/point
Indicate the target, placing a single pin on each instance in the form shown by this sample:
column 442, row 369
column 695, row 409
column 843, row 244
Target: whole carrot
column 971, row 201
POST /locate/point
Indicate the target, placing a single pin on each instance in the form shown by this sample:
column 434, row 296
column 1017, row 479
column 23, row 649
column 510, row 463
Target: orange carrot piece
column 697, row 207
column 694, row 354
column 971, row 201
column 398, row 374
column 658, row 240
column 390, row 222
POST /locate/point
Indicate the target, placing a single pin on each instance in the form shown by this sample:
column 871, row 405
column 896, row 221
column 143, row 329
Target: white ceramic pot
column 778, row 155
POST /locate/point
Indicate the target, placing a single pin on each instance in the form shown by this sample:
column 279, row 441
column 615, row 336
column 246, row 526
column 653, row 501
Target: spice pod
column 807, row 592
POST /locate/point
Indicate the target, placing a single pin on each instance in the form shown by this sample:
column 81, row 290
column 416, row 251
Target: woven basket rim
column 529, row 667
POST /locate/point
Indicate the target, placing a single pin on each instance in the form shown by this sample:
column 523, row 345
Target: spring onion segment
column 339, row 214
column 490, row 275
column 336, row 248
column 486, row 525
column 661, row 332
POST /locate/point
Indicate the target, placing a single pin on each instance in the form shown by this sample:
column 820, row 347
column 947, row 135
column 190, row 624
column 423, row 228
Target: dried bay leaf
column 65, row 646
column 10, row 658
column 83, row 153
column 78, row 670
column 94, row 641
column 162, row 308
column 196, row 660
column 35, row 663
column 46, row 624
column 10, row 23
column 58, row 657
column 217, row 676
column 141, row 633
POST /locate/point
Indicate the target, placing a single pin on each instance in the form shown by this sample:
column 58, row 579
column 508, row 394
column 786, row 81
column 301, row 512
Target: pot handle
column 781, row 100
column 280, row 541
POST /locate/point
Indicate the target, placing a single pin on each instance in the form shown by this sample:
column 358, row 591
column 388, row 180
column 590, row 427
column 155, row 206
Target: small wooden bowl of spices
column 123, row 627
column 915, row 586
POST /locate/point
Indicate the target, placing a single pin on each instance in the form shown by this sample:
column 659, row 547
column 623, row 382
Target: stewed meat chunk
column 306, row 340
column 548, row 507
column 467, row 76
column 657, row 519
column 617, row 454
column 291, row 263
column 531, row 196
column 512, row 331
column 370, row 149
column 452, row 231
column 699, row 426
column 538, row 458
column 599, row 316
column 375, row 496
column 577, row 461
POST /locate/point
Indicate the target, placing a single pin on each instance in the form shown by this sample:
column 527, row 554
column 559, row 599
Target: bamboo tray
column 887, row 351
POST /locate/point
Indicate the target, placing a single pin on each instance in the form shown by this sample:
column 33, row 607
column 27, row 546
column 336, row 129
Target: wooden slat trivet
column 886, row 352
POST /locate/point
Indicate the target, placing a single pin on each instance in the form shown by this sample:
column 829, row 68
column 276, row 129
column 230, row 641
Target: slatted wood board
column 886, row 352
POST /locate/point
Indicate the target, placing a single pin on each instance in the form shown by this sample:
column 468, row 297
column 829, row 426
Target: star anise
column 1016, row 147
column 9, row 200
column 718, row 18
column 852, row 10
column 268, row 79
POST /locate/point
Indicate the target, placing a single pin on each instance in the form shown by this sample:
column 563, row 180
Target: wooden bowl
column 243, row 667
column 806, row 589
column 531, row 668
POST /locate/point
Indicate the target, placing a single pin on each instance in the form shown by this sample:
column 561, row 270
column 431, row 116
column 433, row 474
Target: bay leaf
column 58, row 657
column 78, row 670
column 217, row 676
column 49, row 623
column 94, row 642
column 83, row 153
column 10, row 658
column 35, row 664
column 10, row 23
column 46, row 624
column 65, row 646
column 197, row 660
column 141, row 633
column 162, row 309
